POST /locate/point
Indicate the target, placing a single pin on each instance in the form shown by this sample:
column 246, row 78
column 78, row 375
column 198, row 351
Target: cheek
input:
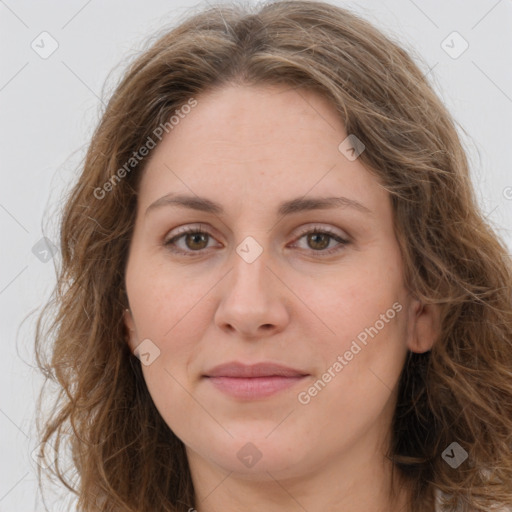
column 165, row 314
column 174, row 401
column 163, row 297
column 352, row 299
column 363, row 308
column 361, row 366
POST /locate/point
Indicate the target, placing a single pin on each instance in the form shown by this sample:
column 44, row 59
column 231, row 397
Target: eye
column 319, row 238
column 196, row 240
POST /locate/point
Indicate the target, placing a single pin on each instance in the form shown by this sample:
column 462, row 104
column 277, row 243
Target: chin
column 258, row 458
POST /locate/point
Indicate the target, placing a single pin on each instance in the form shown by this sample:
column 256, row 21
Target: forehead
column 261, row 143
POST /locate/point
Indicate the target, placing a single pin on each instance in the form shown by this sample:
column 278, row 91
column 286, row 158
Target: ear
column 131, row 337
column 424, row 326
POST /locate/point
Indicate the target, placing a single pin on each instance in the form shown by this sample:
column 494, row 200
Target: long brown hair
column 124, row 455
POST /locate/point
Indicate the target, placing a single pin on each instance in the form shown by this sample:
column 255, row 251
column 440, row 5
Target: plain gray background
column 49, row 107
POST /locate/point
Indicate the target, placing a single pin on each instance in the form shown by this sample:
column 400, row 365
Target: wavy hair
column 460, row 391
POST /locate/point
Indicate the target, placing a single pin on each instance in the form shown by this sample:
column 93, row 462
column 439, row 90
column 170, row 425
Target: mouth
column 255, row 381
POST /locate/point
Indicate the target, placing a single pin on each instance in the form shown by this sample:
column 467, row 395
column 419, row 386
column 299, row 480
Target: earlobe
column 426, row 327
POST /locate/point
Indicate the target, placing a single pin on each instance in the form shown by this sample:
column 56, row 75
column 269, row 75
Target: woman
column 277, row 290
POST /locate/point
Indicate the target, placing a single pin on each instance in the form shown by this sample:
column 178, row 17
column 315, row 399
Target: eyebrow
column 297, row 205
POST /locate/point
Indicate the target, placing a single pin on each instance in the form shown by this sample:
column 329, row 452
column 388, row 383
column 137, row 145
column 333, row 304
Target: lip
column 263, row 369
column 254, row 381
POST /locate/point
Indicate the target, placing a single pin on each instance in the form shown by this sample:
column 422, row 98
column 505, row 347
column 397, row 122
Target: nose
column 253, row 299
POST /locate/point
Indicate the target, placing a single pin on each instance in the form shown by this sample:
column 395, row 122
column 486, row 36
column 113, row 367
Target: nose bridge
column 250, row 300
column 250, row 261
column 250, row 289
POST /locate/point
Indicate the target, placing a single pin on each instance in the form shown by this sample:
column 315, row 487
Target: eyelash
column 315, row 229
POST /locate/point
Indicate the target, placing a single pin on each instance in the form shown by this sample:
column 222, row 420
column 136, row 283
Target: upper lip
column 236, row 369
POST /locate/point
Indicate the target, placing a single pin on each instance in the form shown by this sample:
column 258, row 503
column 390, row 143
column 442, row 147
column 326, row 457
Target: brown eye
column 318, row 241
column 195, row 240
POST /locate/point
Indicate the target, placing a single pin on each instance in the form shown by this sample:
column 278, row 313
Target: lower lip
column 254, row 387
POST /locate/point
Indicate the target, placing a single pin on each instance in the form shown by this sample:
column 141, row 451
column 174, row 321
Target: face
column 271, row 276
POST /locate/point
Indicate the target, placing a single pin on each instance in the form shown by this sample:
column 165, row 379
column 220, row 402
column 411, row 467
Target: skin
column 250, row 148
